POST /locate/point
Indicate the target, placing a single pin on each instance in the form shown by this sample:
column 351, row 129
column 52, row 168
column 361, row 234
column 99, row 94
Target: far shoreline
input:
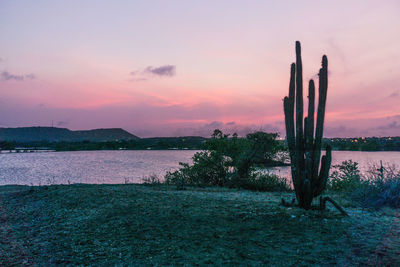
column 33, row 150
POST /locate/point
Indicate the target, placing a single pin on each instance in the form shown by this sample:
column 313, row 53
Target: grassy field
column 139, row 225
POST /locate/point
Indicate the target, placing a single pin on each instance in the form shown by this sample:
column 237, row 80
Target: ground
column 122, row 225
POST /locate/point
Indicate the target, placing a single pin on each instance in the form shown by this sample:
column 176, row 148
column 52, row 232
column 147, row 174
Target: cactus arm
column 310, row 116
column 289, row 121
column 299, row 115
column 309, row 131
column 324, row 172
column 323, row 88
column 292, row 85
column 289, row 111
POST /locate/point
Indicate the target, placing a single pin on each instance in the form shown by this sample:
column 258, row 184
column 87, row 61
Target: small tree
column 257, row 147
column 345, row 176
column 227, row 160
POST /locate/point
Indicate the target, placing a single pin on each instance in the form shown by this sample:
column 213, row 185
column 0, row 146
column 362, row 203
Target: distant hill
column 54, row 134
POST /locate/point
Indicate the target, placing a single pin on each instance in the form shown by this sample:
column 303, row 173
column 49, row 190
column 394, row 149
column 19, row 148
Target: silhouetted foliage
column 151, row 179
column 345, row 176
column 7, row 145
column 197, row 142
column 230, row 161
column 380, row 187
column 265, row 182
column 364, row 143
column 377, row 188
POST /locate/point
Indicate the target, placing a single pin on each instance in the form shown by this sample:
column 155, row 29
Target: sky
column 174, row 68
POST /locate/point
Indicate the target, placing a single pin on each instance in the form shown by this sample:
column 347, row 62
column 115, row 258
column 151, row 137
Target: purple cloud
column 30, row 76
column 390, row 126
column 167, row 70
column 134, row 73
column 162, row 71
column 6, row 76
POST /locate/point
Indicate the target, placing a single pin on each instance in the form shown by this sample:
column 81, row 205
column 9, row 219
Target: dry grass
column 140, row 225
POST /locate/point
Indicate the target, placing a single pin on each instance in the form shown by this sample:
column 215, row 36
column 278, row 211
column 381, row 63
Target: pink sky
column 170, row 68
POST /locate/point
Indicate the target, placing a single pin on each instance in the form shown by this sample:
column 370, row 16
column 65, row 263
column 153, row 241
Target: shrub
column 152, row 179
column 228, row 162
column 377, row 188
column 265, row 182
column 244, row 153
column 209, row 168
column 345, row 176
column 380, row 188
column 178, row 178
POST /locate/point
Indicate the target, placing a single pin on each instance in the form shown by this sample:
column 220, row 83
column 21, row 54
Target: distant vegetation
column 194, row 143
column 364, row 143
column 187, row 142
column 62, row 139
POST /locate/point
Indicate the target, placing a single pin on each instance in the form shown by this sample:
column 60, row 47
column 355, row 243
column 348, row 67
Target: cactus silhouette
column 309, row 178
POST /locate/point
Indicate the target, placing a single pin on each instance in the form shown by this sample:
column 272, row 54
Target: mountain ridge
column 55, row 134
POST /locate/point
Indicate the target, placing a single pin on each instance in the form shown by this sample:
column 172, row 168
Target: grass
column 157, row 225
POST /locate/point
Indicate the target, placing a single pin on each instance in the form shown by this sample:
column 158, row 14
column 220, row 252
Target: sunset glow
column 170, row 68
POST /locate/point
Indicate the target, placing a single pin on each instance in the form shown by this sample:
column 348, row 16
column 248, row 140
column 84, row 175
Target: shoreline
column 33, row 150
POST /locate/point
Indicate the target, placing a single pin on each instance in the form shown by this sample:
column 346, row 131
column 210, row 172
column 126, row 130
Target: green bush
column 377, row 188
column 265, row 182
column 381, row 187
column 345, row 176
column 152, row 179
column 229, row 161
column 209, row 168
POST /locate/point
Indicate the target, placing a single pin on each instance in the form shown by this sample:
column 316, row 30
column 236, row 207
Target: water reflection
column 126, row 166
column 95, row 167
column 364, row 159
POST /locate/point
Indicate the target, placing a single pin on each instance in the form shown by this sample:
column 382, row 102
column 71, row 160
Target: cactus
column 309, row 179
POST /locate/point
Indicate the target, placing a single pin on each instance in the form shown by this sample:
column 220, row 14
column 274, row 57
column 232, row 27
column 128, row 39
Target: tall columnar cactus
column 309, row 179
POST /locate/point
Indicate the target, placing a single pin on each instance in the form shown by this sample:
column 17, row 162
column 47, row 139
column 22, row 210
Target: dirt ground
column 131, row 224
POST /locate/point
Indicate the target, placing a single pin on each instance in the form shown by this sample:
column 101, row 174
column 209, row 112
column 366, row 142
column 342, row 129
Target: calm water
column 364, row 159
column 124, row 166
column 95, row 167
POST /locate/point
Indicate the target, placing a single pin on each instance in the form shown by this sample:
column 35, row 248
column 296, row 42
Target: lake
column 115, row 167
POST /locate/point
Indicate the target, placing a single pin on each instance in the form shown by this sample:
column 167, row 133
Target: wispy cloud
column 394, row 94
column 6, row 76
column 30, row 76
column 390, row 126
column 139, row 79
column 167, row 70
column 148, row 72
column 134, row 73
